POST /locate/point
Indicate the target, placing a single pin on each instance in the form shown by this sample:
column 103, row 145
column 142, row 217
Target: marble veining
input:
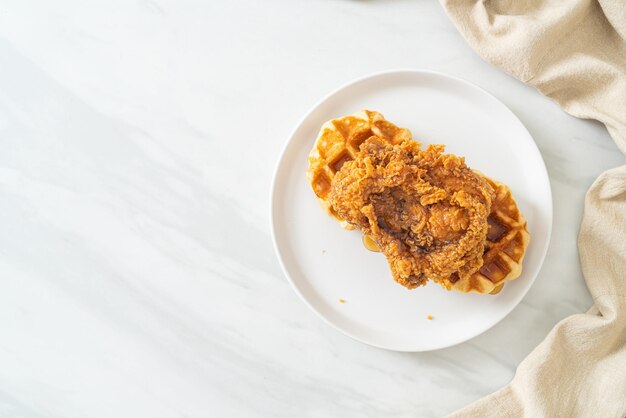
column 138, row 144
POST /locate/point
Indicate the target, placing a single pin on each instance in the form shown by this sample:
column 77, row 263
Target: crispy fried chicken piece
column 426, row 210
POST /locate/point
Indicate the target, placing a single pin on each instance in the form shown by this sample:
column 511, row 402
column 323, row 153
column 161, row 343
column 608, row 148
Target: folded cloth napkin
column 575, row 53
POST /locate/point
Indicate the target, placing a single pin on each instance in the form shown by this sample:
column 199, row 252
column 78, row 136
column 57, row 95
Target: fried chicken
column 426, row 210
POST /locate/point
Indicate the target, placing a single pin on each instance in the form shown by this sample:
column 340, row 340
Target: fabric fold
column 573, row 52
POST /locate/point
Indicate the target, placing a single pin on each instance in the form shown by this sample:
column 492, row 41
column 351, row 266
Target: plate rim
column 273, row 204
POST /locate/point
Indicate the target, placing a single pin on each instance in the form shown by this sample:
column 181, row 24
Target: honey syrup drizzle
column 497, row 289
column 370, row 244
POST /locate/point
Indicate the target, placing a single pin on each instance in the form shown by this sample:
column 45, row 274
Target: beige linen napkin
column 573, row 51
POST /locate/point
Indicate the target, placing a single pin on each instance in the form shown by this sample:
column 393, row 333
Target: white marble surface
column 138, row 141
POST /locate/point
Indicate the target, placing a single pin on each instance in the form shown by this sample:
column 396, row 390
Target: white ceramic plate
column 325, row 263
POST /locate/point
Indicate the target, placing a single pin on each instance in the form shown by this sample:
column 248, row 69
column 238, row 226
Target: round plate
column 352, row 288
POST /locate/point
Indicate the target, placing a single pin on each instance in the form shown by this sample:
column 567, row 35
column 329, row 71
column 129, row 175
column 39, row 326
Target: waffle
column 505, row 246
column 507, row 237
column 338, row 142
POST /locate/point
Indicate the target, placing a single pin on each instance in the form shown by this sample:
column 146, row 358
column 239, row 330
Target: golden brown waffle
column 338, row 142
column 505, row 246
column 507, row 237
